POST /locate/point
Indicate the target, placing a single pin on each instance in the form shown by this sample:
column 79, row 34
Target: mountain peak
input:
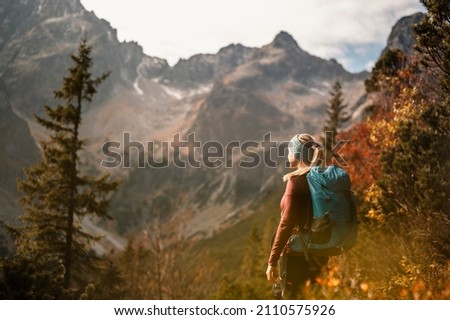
column 284, row 40
column 402, row 36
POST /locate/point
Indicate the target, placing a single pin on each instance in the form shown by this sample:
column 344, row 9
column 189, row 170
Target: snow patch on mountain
column 180, row 94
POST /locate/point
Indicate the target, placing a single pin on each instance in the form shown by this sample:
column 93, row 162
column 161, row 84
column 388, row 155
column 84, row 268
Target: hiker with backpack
column 318, row 219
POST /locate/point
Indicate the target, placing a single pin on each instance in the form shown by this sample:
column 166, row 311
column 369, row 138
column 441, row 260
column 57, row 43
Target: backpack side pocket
column 321, row 229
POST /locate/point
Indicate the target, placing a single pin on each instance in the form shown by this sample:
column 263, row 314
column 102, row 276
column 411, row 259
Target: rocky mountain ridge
column 239, row 94
column 402, row 36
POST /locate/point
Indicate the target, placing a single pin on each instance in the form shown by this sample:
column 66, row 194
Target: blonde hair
column 307, row 141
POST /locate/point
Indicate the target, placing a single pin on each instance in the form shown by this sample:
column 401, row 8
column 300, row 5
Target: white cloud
column 172, row 29
column 369, row 64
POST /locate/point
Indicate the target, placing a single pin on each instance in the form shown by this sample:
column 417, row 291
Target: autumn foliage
column 361, row 157
column 398, row 158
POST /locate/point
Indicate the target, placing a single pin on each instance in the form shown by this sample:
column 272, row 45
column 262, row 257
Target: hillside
column 246, row 92
column 238, row 94
column 200, row 148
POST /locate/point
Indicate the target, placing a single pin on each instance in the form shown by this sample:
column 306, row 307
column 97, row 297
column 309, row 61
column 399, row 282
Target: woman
column 296, row 206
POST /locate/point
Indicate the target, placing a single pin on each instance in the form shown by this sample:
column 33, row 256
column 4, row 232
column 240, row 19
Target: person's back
column 295, row 269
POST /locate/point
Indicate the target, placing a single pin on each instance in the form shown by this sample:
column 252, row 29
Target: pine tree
column 387, row 66
column 414, row 139
column 109, row 284
column 56, row 195
column 336, row 118
column 433, row 39
column 415, row 168
column 433, row 43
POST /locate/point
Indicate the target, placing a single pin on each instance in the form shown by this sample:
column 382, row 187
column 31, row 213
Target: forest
column 398, row 161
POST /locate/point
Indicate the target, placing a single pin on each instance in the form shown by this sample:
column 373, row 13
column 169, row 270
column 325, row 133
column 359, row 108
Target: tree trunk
column 71, row 208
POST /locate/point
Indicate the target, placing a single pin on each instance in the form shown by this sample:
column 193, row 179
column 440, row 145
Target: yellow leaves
column 332, row 279
column 418, row 291
column 333, row 282
column 405, row 108
column 337, row 281
column 383, row 133
column 364, row 287
column 409, row 280
column 374, row 196
column 375, row 215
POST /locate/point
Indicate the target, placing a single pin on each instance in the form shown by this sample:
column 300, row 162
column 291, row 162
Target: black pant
column 296, row 271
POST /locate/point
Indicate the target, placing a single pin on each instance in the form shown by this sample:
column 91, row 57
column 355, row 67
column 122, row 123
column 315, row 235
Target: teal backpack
column 334, row 227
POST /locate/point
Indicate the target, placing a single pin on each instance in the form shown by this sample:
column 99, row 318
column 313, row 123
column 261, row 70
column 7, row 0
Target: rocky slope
column 278, row 89
column 402, row 37
column 239, row 94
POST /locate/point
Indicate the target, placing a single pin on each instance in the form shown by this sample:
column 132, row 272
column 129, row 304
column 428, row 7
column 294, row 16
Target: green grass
column 227, row 247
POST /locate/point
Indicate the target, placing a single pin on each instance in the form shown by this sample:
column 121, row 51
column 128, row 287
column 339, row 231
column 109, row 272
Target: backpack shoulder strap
column 309, row 212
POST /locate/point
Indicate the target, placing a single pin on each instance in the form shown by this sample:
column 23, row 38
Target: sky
column 354, row 32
